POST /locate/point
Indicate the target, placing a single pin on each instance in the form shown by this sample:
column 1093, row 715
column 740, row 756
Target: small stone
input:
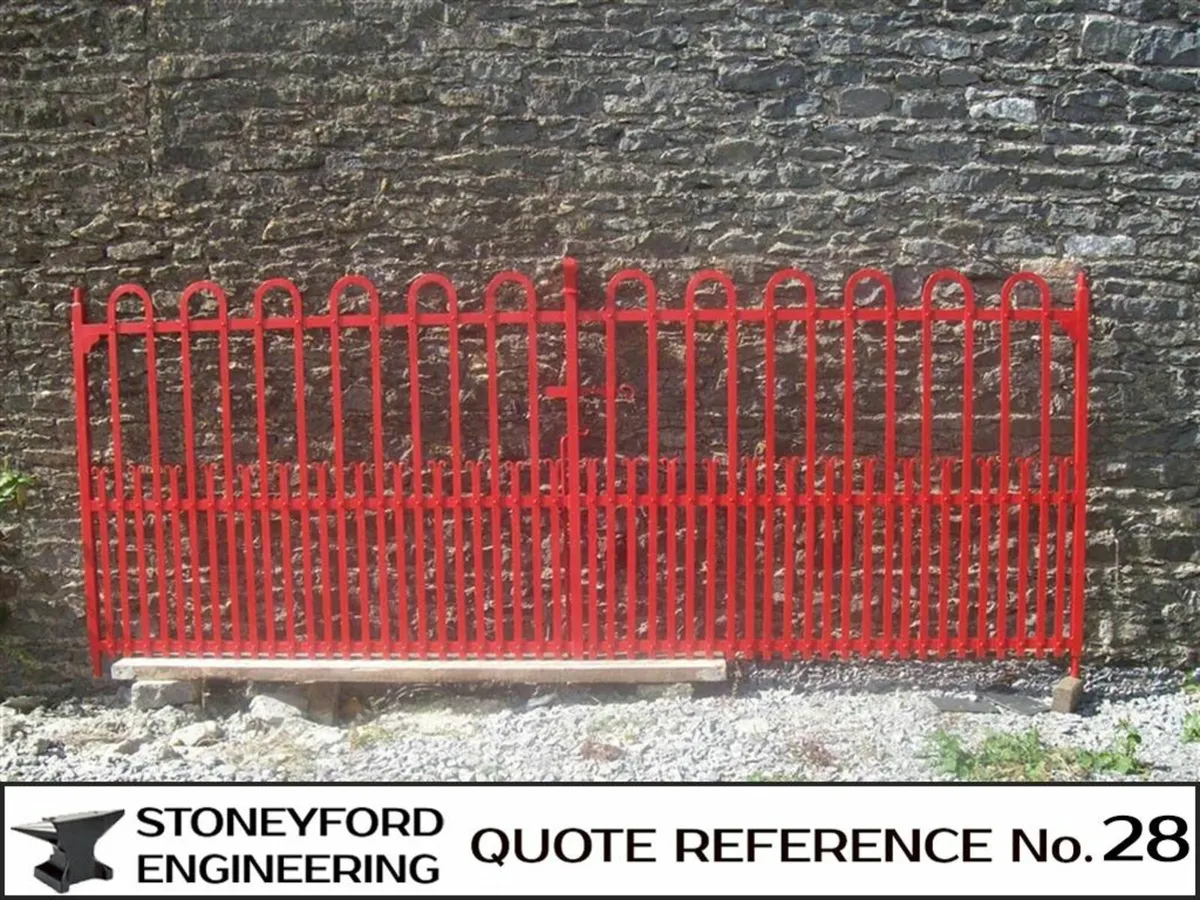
column 938, row 46
column 324, row 735
column 11, row 728
column 1067, row 694
column 197, row 735
column 150, row 695
column 1177, row 47
column 293, row 694
column 754, row 78
column 541, row 700
column 129, row 745
column 24, row 703
column 663, row 691
column 1082, row 246
column 101, row 228
column 752, row 727
column 956, row 76
column 881, row 685
column 134, row 250
column 1108, row 39
column 273, row 710
column 864, row 101
column 1015, row 109
column 600, row 752
column 44, row 746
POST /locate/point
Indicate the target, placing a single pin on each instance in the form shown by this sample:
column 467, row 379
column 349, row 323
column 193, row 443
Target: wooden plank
column 435, row 671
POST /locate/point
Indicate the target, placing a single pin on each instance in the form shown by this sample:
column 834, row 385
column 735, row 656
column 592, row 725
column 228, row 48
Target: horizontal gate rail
column 900, row 473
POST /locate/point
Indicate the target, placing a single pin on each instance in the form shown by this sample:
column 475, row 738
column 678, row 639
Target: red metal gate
column 617, row 476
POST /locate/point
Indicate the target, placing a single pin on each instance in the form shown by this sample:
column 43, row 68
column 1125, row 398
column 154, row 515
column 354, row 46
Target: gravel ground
column 813, row 722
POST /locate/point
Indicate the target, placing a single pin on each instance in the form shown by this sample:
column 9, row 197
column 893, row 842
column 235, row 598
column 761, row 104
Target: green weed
column 1191, row 727
column 1025, row 756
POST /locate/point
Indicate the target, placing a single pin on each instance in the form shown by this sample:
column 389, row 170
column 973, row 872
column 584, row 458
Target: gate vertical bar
column 575, row 531
column 1043, row 494
column 848, row 316
column 456, row 480
column 1022, row 629
column 906, row 516
column 924, row 596
column 652, row 474
column 1005, row 477
column 493, row 405
column 302, row 468
column 964, row 595
column 142, row 644
column 689, row 486
column 731, row 399
column 83, row 442
column 610, row 452
column 1080, row 448
column 985, row 519
column 177, row 561
column 810, row 475
column 1063, row 467
column 156, row 480
column 558, row 603
column 364, row 575
column 594, row 633
column 284, row 479
column 418, row 467
column 227, row 475
column 671, row 561
column 535, row 478
column 437, row 476
column 889, row 475
column 118, row 467
column 105, row 574
column 339, row 466
column 189, row 449
column 768, row 626
column 260, row 407
column 868, row 544
column 381, row 561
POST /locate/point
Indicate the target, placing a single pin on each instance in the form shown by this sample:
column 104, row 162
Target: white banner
column 599, row 839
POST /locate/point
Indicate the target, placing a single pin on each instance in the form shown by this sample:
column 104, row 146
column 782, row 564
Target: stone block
column 276, row 710
column 1067, row 694
column 1085, row 246
column 864, row 101
column 323, row 702
column 148, row 695
column 1107, row 39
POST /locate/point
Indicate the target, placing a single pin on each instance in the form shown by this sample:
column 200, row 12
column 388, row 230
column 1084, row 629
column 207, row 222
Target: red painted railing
column 706, row 486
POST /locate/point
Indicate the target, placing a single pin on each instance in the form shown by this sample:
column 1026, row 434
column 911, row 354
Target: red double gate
column 522, row 473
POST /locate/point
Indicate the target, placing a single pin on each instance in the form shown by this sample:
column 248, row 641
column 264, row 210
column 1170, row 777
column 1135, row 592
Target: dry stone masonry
column 165, row 141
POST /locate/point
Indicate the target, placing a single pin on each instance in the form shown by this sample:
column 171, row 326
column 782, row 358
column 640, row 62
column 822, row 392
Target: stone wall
column 169, row 140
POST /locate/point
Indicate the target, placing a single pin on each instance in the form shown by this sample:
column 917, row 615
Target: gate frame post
column 1083, row 299
column 570, row 268
column 82, row 344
